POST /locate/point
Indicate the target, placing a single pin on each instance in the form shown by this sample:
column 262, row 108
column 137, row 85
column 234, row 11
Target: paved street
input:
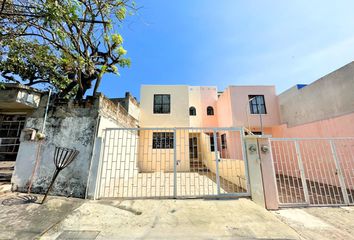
column 67, row 218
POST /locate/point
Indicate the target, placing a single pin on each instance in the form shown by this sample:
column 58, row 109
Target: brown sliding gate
column 314, row 171
column 172, row 163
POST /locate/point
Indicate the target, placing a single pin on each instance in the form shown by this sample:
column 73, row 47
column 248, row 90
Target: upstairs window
column 162, row 140
column 192, row 111
column 162, row 103
column 210, row 111
column 257, row 104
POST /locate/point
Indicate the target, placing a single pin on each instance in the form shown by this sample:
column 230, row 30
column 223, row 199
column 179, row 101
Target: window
column 192, row 111
column 162, row 140
column 223, row 141
column 254, row 133
column 257, row 104
column 210, row 111
column 212, row 146
column 162, row 103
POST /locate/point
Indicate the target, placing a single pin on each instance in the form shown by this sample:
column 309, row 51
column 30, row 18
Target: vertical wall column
column 261, row 172
column 254, row 170
column 268, row 174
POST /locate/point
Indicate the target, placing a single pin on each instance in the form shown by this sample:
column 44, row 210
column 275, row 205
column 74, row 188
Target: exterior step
column 6, row 170
column 5, row 177
column 7, row 165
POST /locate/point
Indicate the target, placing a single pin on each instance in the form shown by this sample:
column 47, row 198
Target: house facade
column 198, row 124
column 324, row 108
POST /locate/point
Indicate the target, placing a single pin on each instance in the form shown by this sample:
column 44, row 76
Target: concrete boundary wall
column 71, row 125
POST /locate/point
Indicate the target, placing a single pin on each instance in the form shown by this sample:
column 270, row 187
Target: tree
column 79, row 38
column 31, row 63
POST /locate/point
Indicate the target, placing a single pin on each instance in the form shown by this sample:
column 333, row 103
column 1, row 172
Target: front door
column 193, row 147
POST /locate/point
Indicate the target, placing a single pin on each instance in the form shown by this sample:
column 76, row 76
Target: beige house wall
column 179, row 115
column 230, row 169
column 156, row 160
column 195, row 101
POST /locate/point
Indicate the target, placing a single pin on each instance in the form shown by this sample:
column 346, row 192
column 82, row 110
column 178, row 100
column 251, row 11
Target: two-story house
column 184, row 119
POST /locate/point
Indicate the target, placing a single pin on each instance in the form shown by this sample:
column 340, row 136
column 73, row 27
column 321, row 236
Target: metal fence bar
column 340, row 173
column 216, row 161
column 245, row 159
column 324, row 138
column 326, row 167
column 145, row 163
column 175, row 164
column 302, row 172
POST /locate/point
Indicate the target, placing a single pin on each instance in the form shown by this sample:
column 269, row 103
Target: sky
column 233, row 42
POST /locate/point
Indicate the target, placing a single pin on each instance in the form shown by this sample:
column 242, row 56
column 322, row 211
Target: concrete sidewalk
column 29, row 221
column 320, row 222
column 171, row 219
column 67, row 218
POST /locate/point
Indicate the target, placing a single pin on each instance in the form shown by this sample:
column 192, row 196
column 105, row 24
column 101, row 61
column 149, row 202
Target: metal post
column 245, row 159
column 302, row 172
column 55, row 175
column 260, row 118
column 174, row 163
column 216, row 161
column 340, row 173
column 100, row 166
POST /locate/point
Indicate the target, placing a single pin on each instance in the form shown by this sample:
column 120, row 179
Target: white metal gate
column 172, row 163
column 314, row 171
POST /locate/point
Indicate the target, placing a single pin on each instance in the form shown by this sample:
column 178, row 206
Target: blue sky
column 234, row 42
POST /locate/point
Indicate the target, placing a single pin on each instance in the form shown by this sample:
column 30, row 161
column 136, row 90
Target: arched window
column 192, row 111
column 210, row 111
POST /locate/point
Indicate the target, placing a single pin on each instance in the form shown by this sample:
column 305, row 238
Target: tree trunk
column 68, row 89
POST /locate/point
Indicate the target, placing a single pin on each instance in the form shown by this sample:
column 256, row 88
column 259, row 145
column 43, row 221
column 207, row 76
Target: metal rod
column 174, row 164
column 55, row 175
column 302, row 172
column 340, row 173
column 216, row 161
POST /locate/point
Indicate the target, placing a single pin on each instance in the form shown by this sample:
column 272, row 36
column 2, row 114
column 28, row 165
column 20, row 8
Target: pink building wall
column 209, row 97
column 241, row 110
column 342, row 126
column 234, row 111
column 224, row 112
column 201, row 98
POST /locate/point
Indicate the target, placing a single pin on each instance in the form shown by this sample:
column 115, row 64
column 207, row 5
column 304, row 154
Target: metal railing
column 172, row 163
column 314, row 171
column 9, row 145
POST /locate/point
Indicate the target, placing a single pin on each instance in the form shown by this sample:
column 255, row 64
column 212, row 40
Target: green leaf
column 117, row 39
